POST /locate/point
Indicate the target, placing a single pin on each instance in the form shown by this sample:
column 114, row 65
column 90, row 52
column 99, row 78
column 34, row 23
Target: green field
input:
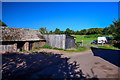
column 91, row 38
column 87, row 40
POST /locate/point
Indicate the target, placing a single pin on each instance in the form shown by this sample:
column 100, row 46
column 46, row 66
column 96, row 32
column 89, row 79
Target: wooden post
column 82, row 42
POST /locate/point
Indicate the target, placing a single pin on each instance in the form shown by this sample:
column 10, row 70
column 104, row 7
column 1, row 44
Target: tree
column 43, row 30
column 57, row 31
column 116, row 33
column 51, row 32
column 83, row 32
column 105, row 31
column 2, row 23
column 68, row 31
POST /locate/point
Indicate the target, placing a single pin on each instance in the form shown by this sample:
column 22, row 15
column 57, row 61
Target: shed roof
column 20, row 34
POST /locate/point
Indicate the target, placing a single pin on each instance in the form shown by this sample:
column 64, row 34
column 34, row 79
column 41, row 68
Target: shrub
column 24, row 50
column 36, row 48
column 77, row 45
column 47, row 46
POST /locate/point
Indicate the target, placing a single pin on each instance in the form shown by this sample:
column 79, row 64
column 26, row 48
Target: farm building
column 17, row 39
column 61, row 41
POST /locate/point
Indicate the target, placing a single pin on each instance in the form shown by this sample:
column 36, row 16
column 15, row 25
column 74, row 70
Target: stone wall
column 38, row 44
column 7, row 48
column 26, row 46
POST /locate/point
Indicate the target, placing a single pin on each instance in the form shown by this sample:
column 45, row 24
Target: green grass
column 36, row 48
column 57, row 48
column 107, row 47
column 47, row 46
column 24, row 50
column 87, row 40
column 77, row 49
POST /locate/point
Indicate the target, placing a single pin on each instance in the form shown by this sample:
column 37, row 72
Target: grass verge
column 107, row 47
column 78, row 49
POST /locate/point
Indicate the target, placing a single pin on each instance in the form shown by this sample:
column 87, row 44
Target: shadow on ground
column 111, row 55
column 16, row 66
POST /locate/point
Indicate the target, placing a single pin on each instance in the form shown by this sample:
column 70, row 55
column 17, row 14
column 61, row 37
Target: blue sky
column 62, row 15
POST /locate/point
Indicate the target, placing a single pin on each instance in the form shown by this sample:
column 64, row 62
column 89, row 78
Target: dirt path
column 91, row 66
column 60, row 64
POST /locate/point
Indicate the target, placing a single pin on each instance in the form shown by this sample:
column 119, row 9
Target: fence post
column 82, row 42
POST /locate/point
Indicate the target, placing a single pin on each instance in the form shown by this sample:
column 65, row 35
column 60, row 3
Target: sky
column 62, row 15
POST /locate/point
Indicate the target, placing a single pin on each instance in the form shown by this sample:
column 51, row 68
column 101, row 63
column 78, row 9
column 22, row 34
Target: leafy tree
column 62, row 32
column 57, row 31
column 116, row 33
column 94, row 31
column 51, row 32
column 68, row 31
column 83, row 32
column 43, row 30
column 2, row 23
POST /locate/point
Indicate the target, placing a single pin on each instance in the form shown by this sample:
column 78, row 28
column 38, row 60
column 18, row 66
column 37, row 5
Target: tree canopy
column 43, row 30
column 116, row 30
column 2, row 23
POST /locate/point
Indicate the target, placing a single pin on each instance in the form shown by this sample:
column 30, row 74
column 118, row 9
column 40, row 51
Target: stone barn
column 17, row 39
column 61, row 41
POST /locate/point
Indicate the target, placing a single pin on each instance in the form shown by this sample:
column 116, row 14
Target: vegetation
column 2, row 23
column 77, row 49
column 47, row 46
column 112, row 29
column 36, row 48
column 72, row 32
column 85, row 40
column 107, row 47
column 24, row 50
column 116, row 30
column 96, row 36
column 43, row 30
column 88, row 35
column 57, row 48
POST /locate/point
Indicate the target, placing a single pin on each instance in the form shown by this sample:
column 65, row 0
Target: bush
column 117, row 45
column 47, row 46
column 36, row 48
column 77, row 45
column 24, row 50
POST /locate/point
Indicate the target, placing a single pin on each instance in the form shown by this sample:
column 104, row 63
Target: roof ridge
column 20, row 28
